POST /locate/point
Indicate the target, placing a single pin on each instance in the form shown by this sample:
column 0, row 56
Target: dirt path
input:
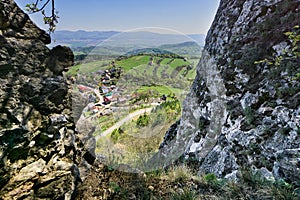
column 123, row 121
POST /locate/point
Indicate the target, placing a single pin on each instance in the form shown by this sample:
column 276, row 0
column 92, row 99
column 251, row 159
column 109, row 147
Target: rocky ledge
column 41, row 154
column 242, row 113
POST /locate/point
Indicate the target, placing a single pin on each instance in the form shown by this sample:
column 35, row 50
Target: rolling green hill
column 150, row 71
column 185, row 48
column 144, row 80
column 90, row 53
column 142, row 71
column 151, row 51
column 156, row 67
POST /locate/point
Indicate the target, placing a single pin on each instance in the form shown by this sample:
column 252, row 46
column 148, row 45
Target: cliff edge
column 243, row 113
column 41, row 155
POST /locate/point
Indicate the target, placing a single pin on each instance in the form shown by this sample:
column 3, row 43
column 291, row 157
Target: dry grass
column 179, row 173
column 179, row 182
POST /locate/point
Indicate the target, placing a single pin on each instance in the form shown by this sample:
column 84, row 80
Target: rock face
column 240, row 113
column 40, row 153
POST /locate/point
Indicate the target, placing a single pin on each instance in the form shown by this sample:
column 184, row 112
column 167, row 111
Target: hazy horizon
column 186, row 17
column 168, row 31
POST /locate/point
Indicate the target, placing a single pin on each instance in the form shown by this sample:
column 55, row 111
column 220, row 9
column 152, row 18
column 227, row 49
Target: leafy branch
column 39, row 6
column 289, row 56
column 289, row 53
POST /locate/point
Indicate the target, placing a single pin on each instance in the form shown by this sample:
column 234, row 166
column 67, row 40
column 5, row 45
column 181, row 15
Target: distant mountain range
column 180, row 49
column 151, row 51
column 140, row 39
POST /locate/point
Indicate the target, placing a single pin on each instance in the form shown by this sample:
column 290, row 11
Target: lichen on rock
column 254, row 116
column 41, row 154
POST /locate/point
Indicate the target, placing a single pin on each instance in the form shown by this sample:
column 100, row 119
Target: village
column 106, row 97
column 129, row 100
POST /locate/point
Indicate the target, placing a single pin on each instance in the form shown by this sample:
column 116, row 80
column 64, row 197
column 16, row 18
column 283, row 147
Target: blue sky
column 186, row 16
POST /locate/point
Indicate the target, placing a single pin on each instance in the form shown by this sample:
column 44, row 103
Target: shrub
column 249, row 113
column 180, row 173
column 143, row 120
column 211, row 181
column 185, row 195
column 115, row 135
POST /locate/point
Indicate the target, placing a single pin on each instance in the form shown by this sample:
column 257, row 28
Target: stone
column 30, row 171
column 253, row 109
column 60, row 59
column 36, row 124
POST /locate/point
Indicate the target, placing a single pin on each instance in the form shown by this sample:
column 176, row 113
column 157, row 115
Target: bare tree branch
column 33, row 8
column 36, row 3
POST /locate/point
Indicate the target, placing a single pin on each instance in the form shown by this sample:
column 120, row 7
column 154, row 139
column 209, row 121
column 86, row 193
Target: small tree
column 143, row 120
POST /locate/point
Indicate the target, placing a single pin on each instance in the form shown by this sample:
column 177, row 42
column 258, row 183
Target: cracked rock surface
column 41, row 155
column 252, row 110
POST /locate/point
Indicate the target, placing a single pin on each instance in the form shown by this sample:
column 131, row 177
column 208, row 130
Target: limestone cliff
column 40, row 153
column 240, row 113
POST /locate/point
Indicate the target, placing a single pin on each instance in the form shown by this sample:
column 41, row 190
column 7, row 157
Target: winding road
column 129, row 117
column 123, row 121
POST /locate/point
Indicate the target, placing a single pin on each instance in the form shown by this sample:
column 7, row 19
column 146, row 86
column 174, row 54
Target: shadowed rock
column 252, row 108
column 41, row 154
column 60, row 59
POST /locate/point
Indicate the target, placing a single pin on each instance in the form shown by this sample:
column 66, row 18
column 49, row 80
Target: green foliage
column 294, row 38
column 210, row 178
column 179, row 183
column 155, row 174
column 106, row 122
column 283, row 190
column 203, row 123
column 40, row 6
column 114, row 187
column 250, row 115
column 292, row 52
column 110, row 168
column 248, row 57
column 116, row 134
column 142, row 96
column 88, row 68
column 31, row 7
column 180, row 173
column 253, row 179
column 132, row 62
column 287, row 91
column 284, row 71
column 251, row 185
column 185, row 195
column 156, row 90
column 160, row 118
column 172, row 105
column 167, row 111
column 178, row 62
column 118, row 190
column 212, row 181
column 143, row 120
column 166, row 61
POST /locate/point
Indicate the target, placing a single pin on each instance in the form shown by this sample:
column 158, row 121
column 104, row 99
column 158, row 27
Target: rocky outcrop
column 40, row 153
column 241, row 113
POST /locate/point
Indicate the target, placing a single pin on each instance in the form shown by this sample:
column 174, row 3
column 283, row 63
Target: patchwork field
column 147, row 100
